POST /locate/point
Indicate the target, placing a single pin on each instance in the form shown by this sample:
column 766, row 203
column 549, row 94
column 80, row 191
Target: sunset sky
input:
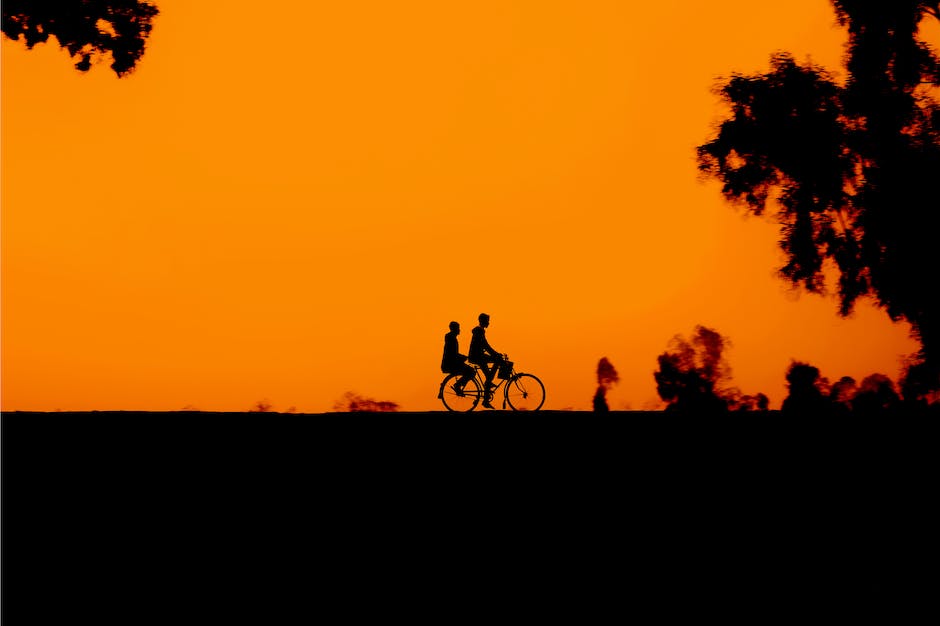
column 292, row 205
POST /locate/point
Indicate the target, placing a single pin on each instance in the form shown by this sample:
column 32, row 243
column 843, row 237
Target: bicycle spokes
column 525, row 392
column 457, row 399
column 522, row 392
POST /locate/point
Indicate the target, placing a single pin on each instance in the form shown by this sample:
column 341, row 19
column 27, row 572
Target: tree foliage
column 86, row 28
column 694, row 376
column 876, row 393
column 262, row 406
column 692, row 372
column 811, row 394
column 807, row 390
column 607, row 377
column 355, row 403
column 737, row 401
column 842, row 393
column 848, row 169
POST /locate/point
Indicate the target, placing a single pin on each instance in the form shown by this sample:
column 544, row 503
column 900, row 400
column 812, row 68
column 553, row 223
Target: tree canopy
column 86, row 28
column 849, row 168
column 693, row 372
column 607, row 377
column 807, row 390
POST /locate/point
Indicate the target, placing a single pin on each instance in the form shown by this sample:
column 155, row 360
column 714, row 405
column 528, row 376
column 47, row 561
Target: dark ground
column 563, row 512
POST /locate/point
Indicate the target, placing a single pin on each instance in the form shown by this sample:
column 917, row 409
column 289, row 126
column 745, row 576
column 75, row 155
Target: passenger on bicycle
column 453, row 362
column 482, row 354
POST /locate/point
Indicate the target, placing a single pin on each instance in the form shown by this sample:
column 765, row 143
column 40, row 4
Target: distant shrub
column 694, row 376
column 692, row 371
column 807, row 389
column 354, row 403
column 920, row 384
column 744, row 402
column 607, row 377
column 261, row 406
column 842, row 395
column 809, row 392
column 876, row 393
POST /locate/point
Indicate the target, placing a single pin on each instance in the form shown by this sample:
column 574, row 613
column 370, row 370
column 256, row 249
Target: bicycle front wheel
column 525, row 392
column 467, row 401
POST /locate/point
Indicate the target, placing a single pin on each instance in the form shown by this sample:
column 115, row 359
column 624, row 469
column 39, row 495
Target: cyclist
column 453, row 362
column 482, row 354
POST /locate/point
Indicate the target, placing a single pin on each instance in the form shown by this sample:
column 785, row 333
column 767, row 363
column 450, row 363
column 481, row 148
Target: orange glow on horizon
column 254, row 216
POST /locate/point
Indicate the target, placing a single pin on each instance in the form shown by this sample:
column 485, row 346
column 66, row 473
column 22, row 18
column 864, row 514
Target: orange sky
column 253, row 215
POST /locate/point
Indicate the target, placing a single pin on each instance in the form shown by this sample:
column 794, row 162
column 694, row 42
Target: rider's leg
column 489, row 372
column 489, row 389
column 468, row 373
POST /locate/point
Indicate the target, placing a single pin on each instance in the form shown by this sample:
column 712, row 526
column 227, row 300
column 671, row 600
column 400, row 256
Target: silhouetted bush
column 917, row 385
column 737, row 401
column 842, row 394
column 607, row 377
column 692, row 372
column 810, row 393
column 806, row 390
column 876, row 394
column 261, row 406
column 354, row 403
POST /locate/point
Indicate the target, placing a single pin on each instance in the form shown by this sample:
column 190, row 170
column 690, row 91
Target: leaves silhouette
column 87, row 29
column 848, row 169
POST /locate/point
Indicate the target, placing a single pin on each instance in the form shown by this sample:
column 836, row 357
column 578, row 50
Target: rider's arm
column 489, row 349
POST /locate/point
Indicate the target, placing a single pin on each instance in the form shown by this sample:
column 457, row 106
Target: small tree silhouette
column 607, row 377
column 692, row 372
column 354, row 403
column 917, row 384
column 842, row 394
column 876, row 394
column 261, row 406
column 744, row 402
column 806, row 389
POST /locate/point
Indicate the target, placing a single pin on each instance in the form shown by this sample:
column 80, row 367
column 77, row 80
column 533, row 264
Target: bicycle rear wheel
column 525, row 392
column 466, row 402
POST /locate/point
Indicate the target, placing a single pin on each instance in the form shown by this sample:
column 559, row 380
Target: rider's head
column 484, row 320
column 455, row 326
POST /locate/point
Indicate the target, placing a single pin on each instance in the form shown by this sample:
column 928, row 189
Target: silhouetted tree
column 262, row 406
column 851, row 167
column 916, row 386
column 607, row 377
column 691, row 372
column 86, row 28
column 806, row 387
column 737, row 401
column 354, row 403
column 842, row 394
column 876, row 394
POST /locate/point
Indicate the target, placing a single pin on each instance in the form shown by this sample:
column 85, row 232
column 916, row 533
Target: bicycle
column 521, row 392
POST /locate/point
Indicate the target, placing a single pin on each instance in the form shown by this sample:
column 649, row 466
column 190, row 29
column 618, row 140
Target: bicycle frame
column 481, row 380
column 514, row 390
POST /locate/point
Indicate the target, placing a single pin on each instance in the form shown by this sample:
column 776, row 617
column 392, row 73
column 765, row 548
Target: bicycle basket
column 505, row 369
